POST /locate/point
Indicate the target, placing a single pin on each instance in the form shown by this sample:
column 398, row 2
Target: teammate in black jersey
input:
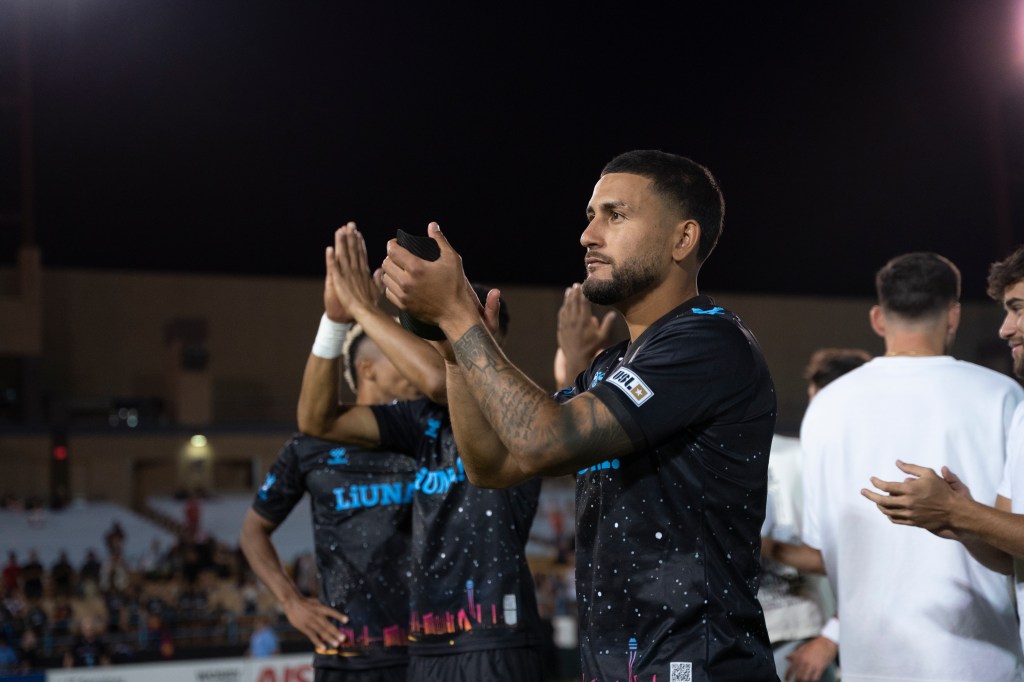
column 668, row 433
column 473, row 610
column 361, row 503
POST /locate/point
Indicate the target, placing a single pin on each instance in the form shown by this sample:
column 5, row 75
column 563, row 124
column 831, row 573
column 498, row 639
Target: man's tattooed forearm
column 522, row 414
column 511, row 406
column 476, row 351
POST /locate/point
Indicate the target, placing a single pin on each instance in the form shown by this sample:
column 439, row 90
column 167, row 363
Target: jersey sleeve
column 689, row 373
column 283, row 487
column 399, row 425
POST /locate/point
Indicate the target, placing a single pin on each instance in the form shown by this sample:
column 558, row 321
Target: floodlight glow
column 1018, row 33
column 198, row 441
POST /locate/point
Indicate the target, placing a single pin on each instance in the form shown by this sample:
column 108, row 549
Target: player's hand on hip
column 313, row 619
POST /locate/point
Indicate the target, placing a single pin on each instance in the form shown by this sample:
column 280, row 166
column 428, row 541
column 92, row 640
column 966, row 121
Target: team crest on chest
column 632, row 385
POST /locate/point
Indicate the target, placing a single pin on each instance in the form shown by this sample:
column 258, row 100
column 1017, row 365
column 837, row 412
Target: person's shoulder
column 303, row 447
column 987, row 376
column 310, row 451
column 716, row 324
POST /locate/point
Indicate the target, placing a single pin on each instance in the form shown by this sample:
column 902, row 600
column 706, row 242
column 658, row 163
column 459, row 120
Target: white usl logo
column 631, row 385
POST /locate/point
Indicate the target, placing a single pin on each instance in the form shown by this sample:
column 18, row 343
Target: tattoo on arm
column 511, row 405
column 514, row 405
column 476, row 351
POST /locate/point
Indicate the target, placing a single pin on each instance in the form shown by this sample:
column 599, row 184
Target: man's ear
column 953, row 318
column 877, row 318
column 687, row 239
column 365, row 370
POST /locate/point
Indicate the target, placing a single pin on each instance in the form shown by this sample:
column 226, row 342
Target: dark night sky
column 234, row 136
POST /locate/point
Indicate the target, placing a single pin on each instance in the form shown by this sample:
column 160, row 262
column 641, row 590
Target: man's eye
column 617, row 216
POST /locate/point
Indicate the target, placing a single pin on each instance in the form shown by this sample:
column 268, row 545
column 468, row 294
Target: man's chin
column 601, row 292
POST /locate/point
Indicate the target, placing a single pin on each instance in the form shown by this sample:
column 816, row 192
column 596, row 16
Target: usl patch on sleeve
column 631, row 385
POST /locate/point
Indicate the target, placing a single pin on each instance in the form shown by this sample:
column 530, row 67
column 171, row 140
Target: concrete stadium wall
column 103, row 336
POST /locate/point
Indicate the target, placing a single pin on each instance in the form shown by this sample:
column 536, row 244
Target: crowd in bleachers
column 194, row 597
column 196, row 594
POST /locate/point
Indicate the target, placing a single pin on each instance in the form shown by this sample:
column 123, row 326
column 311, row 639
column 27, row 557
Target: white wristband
column 831, row 629
column 330, row 338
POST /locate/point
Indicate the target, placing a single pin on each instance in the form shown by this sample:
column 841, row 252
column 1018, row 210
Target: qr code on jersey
column 680, row 672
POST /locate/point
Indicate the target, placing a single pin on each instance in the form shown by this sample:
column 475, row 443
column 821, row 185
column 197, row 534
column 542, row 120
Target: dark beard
column 633, row 278
column 1018, row 367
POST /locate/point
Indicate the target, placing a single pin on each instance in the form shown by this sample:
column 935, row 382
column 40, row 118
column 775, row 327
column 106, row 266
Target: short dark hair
column 503, row 318
column 828, row 364
column 1003, row 274
column 684, row 183
column 917, row 285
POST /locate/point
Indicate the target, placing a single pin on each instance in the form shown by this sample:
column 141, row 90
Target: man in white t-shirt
column 914, row 607
column 944, row 505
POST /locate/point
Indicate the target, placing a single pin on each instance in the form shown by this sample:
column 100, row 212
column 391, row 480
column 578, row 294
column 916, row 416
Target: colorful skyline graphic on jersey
column 631, row 654
column 473, row 615
column 392, row 635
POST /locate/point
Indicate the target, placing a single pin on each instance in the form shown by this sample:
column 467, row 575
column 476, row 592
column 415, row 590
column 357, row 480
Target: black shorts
column 398, row 673
column 501, row 665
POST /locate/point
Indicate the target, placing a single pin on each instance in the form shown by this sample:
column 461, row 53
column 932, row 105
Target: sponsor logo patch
column 631, row 385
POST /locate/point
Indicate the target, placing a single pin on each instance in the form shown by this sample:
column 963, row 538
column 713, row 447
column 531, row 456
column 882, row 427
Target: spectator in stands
column 226, row 562
column 12, row 573
column 193, row 515
column 13, row 606
column 263, row 642
column 89, row 648
column 114, row 538
column 30, row 658
column 32, row 576
column 160, row 637
column 250, row 595
column 62, row 576
column 796, row 605
column 114, row 572
column 117, row 609
column 90, row 570
column 190, row 557
column 36, row 618
column 192, row 600
column 91, row 605
column 150, row 560
column 8, row 656
column 61, row 615
column 222, row 595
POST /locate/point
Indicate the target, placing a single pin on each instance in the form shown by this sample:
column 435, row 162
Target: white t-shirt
column 1012, row 488
column 913, row 606
column 795, row 605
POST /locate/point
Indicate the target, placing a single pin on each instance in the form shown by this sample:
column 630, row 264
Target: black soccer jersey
column 471, row 587
column 361, row 502
column 667, row 549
